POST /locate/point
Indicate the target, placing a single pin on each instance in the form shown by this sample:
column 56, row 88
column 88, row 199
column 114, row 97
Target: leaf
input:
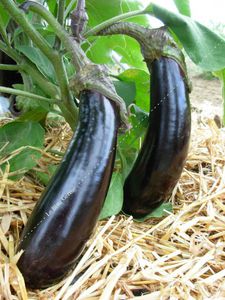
column 4, row 15
column 24, row 161
column 100, row 50
column 44, row 177
column 28, row 104
column 142, row 82
column 114, row 200
column 203, row 46
column 159, row 212
column 129, row 144
column 35, row 115
column 126, row 90
column 148, row 9
column 17, row 136
column 183, row 7
column 3, row 30
column 139, row 123
column 70, row 68
column 101, row 10
column 39, row 59
column 52, row 5
column 127, row 158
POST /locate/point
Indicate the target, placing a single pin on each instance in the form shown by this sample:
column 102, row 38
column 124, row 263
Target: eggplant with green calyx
column 160, row 162
column 67, row 212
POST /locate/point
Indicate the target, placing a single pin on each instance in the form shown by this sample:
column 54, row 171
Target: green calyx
column 96, row 77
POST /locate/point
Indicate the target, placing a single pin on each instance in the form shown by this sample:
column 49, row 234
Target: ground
column 206, row 98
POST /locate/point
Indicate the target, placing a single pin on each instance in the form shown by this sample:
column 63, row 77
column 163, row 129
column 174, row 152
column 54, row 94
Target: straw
column 181, row 256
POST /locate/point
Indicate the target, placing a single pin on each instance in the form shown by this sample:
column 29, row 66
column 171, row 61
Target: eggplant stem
column 107, row 23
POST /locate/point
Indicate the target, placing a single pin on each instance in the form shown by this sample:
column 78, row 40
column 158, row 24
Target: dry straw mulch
column 181, row 256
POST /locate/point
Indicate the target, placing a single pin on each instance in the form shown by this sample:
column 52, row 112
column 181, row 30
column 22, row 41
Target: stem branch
column 60, row 19
column 29, row 68
column 71, row 112
column 20, row 18
column 26, row 94
column 78, row 56
column 113, row 20
column 9, row 67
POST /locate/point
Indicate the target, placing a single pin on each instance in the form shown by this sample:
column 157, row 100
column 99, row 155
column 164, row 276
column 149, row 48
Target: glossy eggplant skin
column 160, row 162
column 67, row 212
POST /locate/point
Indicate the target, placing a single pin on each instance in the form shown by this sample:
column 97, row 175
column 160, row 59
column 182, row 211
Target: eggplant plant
column 100, row 86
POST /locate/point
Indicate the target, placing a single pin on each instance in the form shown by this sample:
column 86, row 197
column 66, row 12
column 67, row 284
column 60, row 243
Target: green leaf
column 52, row 5
column 139, row 123
column 126, row 90
column 101, row 10
column 159, row 212
column 114, row 200
column 142, row 82
column 183, row 7
column 34, row 115
column 39, row 59
column 28, row 104
column 203, row 46
column 70, row 68
column 24, row 161
column 44, row 177
column 18, row 136
column 149, row 9
column 100, row 49
column 4, row 15
column 127, row 158
column 221, row 75
column 3, row 30
column 129, row 143
column 129, row 49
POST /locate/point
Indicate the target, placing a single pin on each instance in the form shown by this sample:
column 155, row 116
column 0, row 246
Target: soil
column 206, row 99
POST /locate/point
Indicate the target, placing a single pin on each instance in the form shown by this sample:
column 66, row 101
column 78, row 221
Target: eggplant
column 161, row 159
column 67, row 212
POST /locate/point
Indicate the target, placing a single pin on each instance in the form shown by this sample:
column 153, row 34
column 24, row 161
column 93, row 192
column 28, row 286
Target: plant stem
column 9, row 67
column 60, row 19
column 29, row 68
column 113, row 20
column 60, row 15
column 154, row 42
column 3, row 32
column 70, row 116
column 10, row 52
column 49, row 88
column 26, row 94
column 77, row 54
column 20, row 18
column 71, row 112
